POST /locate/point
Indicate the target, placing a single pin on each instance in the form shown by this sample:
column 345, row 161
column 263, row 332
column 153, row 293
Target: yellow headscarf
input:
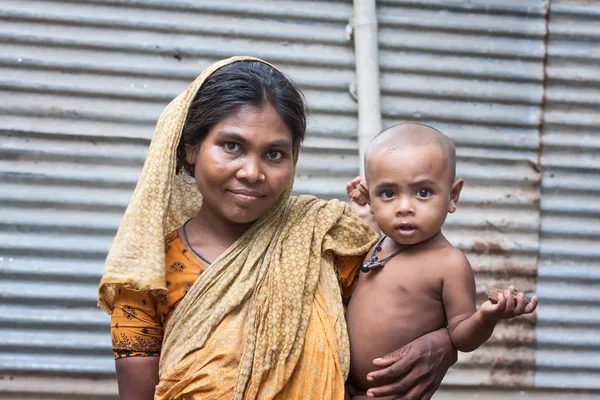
column 276, row 265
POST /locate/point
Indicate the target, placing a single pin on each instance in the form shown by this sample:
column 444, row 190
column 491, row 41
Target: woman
column 235, row 292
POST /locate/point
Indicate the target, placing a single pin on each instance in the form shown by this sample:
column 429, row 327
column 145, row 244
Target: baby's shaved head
column 411, row 134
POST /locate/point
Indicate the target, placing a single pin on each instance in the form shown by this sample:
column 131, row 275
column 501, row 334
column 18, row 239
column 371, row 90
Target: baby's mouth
column 406, row 229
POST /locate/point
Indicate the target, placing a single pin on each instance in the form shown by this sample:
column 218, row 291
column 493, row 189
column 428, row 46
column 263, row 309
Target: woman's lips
column 245, row 195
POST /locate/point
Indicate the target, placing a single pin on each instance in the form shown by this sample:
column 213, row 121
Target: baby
column 414, row 281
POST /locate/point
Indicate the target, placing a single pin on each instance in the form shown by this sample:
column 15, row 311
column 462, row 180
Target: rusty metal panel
column 475, row 71
column 568, row 344
column 82, row 84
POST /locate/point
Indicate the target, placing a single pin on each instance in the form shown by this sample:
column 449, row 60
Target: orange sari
column 138, row 319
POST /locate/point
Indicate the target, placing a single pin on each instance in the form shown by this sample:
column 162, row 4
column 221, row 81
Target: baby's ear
column 455, row 194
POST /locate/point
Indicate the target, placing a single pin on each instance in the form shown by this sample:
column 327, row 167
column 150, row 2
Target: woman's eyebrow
column 233, row 136
column 281, row 143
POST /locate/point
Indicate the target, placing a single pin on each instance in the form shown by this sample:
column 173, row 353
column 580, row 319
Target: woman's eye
column 388, row 194
column 274, row 155
column 423, row 193
column 231, row 147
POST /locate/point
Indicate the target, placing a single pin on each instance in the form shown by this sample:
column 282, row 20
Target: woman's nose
column 249, row 170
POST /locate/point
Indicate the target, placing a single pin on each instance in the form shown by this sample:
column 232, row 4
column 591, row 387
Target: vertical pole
column 366, row 49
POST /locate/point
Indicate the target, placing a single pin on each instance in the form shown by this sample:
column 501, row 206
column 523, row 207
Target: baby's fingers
column 510, row 304
column 521, row 303
column 362, row 188
column 353, row 184
column 501, row 304
column 529, row 308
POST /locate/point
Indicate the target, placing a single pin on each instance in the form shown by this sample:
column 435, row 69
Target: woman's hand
column 357, row 194
column 416, row 370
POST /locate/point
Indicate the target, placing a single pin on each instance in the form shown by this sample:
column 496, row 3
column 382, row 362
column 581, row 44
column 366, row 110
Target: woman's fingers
column 386, row 390
column 413, row 386
column 413, row 383
column 410, row 371
column 393, row 365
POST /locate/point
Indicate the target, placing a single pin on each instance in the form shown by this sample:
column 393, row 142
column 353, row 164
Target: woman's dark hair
column 242, row 83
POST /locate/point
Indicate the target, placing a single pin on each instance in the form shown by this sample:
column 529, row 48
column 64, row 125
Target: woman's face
column 244, row 164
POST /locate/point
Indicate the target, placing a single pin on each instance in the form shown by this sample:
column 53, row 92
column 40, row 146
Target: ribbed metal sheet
column 568, row 349
column 475, row 71
column 82, row 84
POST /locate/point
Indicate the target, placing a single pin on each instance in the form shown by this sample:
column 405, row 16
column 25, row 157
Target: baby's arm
column 458, row 295
column 468, row 328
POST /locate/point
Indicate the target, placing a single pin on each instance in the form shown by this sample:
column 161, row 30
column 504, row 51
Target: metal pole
column 366, row 48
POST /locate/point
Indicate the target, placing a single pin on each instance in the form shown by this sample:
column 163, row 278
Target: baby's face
column 410, row 191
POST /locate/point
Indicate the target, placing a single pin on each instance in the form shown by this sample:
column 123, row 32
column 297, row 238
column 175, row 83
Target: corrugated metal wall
column 568, row 351
column 82, row 84
column 475, row 70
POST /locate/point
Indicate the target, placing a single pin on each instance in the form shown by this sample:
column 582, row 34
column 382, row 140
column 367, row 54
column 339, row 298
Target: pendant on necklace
column 374, row 262
column 369, row 265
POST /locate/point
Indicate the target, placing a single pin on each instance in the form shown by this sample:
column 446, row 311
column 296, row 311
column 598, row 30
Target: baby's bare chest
column 413, row 276
column 391, row 307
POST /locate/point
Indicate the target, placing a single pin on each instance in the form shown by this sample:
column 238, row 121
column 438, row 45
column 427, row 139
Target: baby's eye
column 387, row 194
column 274, row 155
column 231, row 147
column 423, row 193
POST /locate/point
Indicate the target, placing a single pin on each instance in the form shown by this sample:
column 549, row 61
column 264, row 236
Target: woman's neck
column 213, row 226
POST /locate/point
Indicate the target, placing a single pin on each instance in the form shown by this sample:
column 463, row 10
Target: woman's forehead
column 256, row 124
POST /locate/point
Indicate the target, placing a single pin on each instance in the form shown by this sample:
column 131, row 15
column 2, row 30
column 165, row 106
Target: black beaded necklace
column 374, row 262
column 187, row 242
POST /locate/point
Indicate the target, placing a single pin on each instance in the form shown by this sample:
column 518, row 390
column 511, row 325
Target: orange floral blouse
column 138, row 318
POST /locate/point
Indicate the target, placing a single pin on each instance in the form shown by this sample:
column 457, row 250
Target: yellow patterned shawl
column 271, row 273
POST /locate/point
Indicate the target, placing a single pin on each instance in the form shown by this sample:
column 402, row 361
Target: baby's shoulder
column 446, row 257
column 452, row 254
column 453, row 261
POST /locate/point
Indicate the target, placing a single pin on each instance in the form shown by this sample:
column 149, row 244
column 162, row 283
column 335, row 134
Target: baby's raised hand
column 358, row 201
column 507, row 304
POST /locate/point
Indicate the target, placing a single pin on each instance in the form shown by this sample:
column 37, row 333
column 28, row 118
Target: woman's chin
column 245, row 215
column 243, row 218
